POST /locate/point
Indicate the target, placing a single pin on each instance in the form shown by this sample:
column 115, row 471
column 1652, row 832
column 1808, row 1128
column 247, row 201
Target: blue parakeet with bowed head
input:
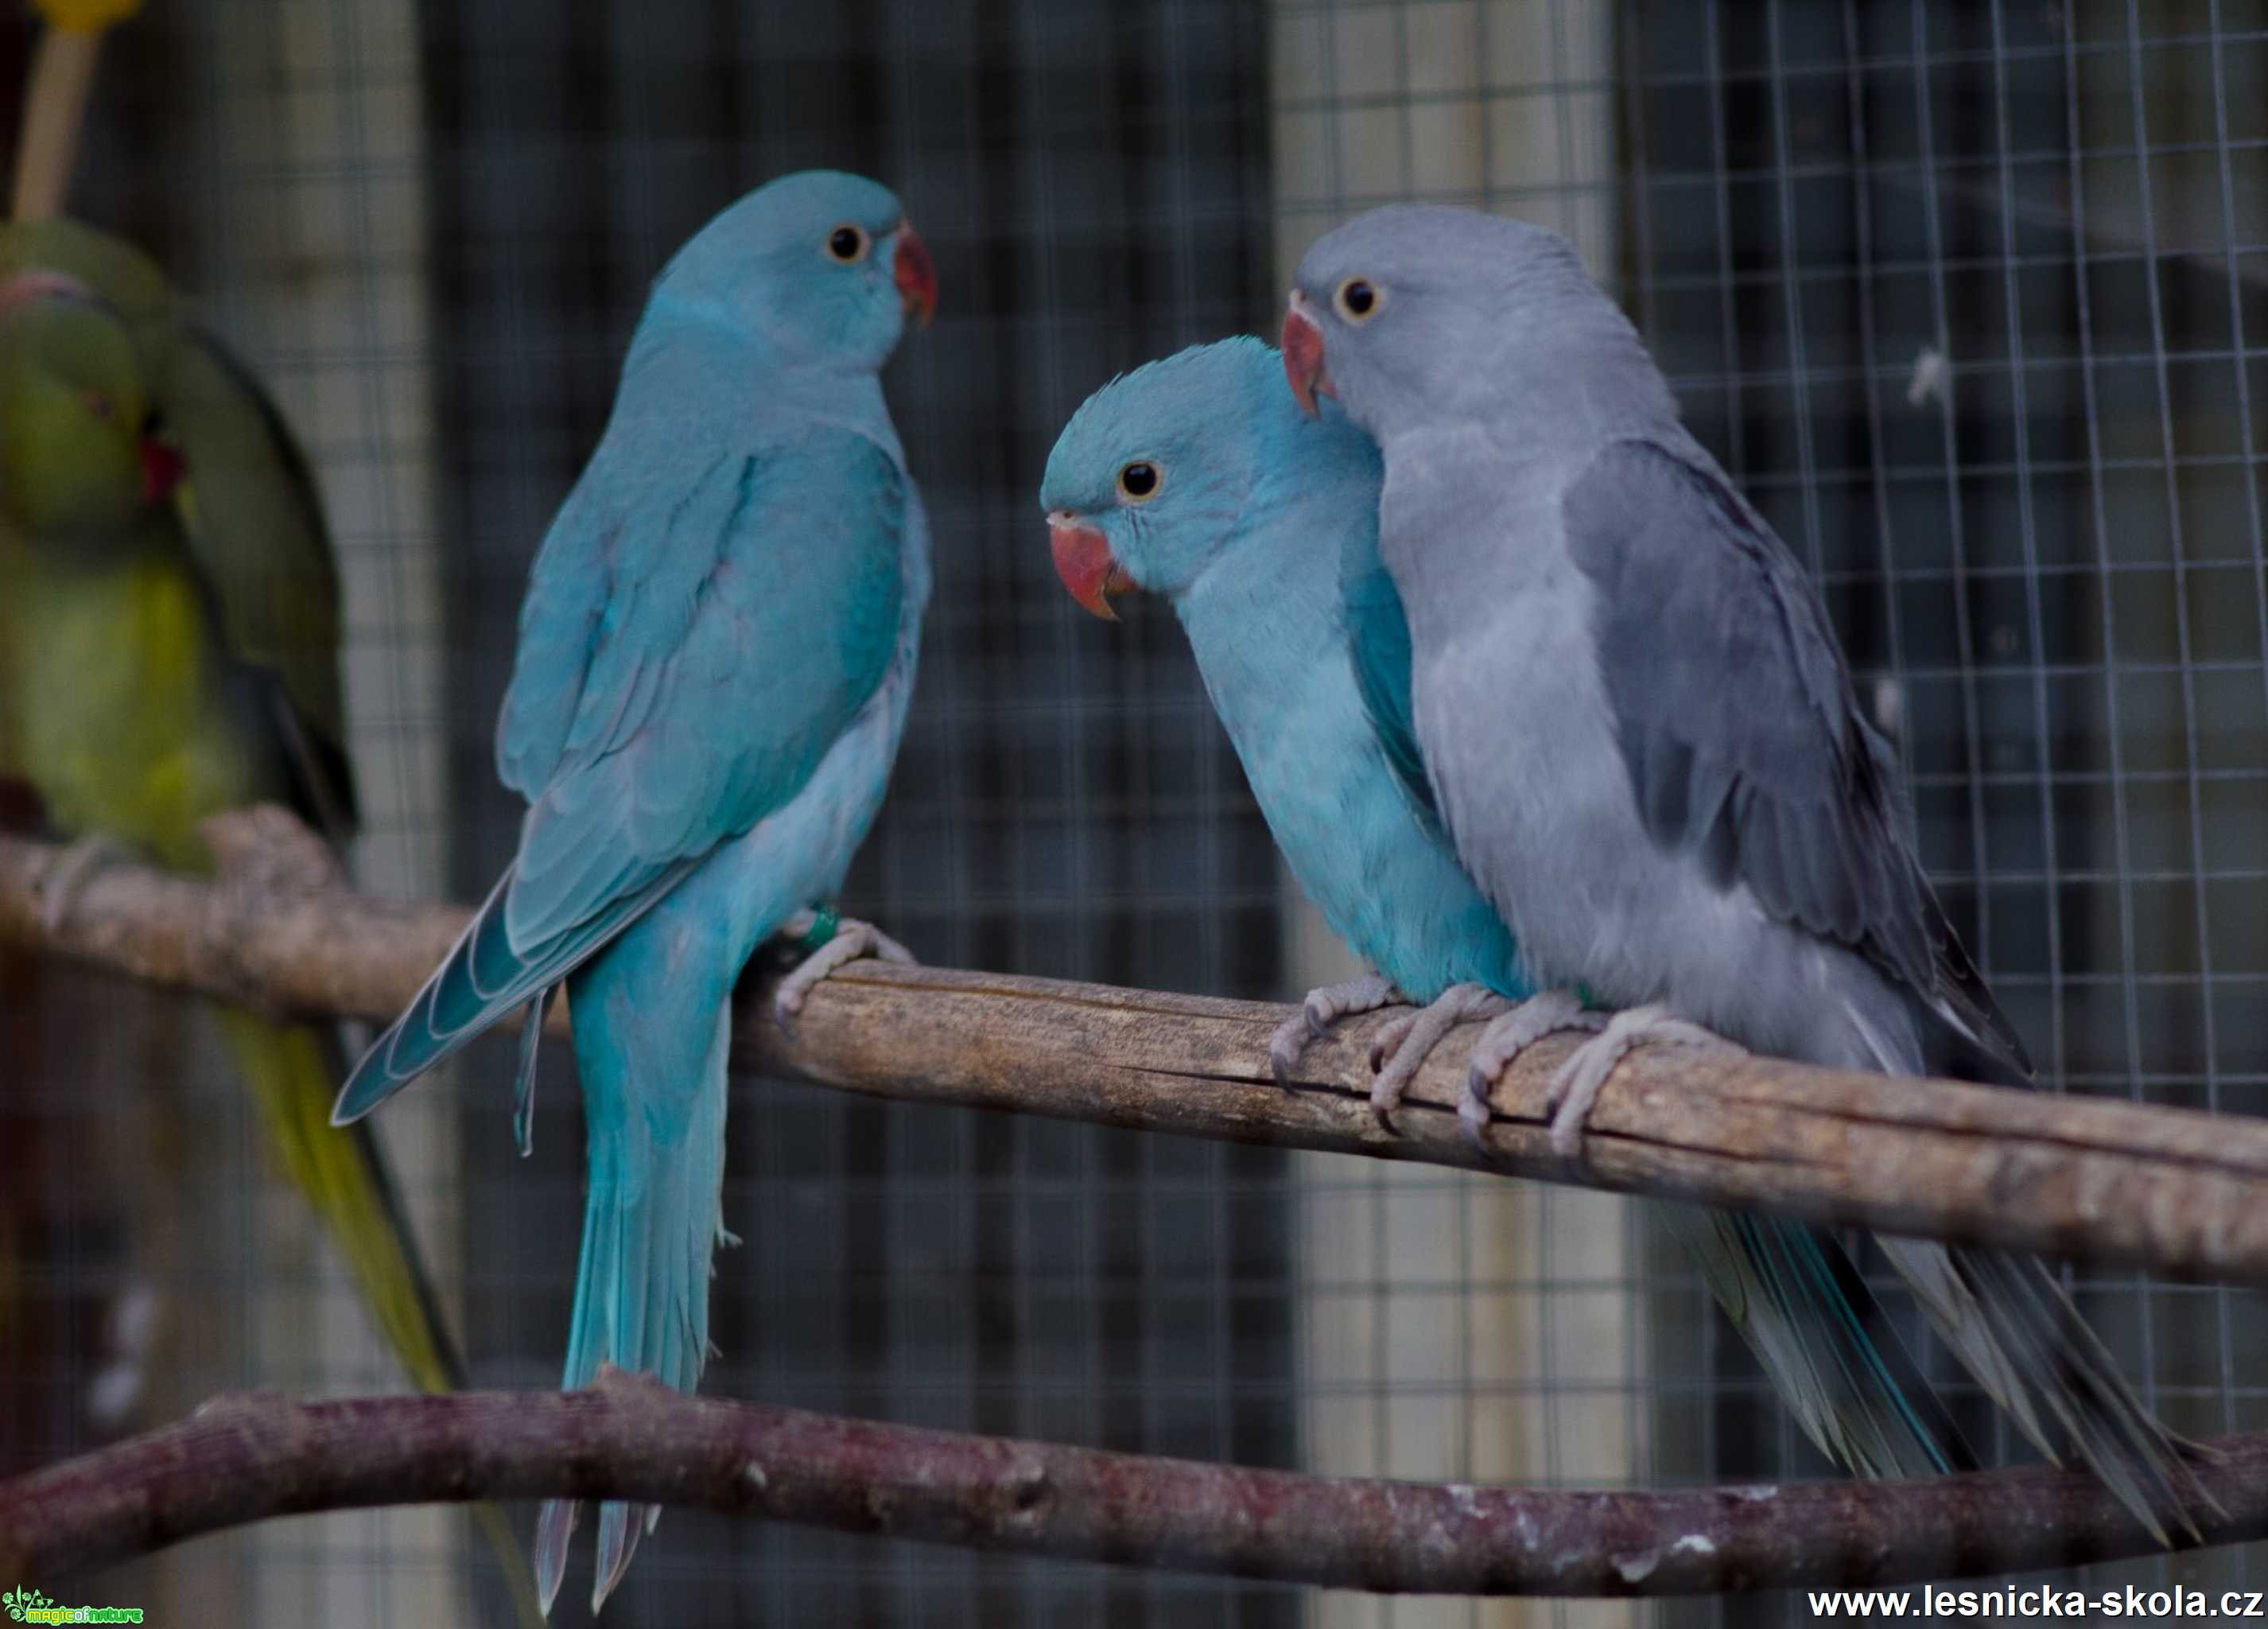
column 1196, row 478
column 1193, row 478
column 715, row 656
column 1643, row 743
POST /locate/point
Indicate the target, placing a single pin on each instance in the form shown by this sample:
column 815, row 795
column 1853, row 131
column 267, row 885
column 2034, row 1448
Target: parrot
column 716, row 652
column 126, row 279
column 171, row 640
column 1643, row 739
column 1196, row 478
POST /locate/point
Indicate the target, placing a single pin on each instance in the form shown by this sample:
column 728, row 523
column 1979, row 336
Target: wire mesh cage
column 1968, row 300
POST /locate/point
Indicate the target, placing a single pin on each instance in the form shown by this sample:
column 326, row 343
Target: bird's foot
column 1324, row 1005
column 1545, row 1014
column 850, row 940
column 1406, row 1041
column 1575, row 1087
column 66, row 876
column 265, row 849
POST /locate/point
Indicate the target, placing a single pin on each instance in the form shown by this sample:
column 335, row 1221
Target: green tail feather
column 292, row 1074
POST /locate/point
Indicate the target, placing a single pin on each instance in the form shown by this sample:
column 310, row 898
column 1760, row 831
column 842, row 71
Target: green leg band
column 826, row 923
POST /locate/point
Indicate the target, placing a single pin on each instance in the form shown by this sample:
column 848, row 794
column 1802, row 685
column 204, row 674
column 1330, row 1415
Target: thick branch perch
column 2168, row 1189
column 245, row 1458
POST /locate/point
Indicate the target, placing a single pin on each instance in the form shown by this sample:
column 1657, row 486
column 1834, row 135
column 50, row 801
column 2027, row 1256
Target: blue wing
column 1378, row 640
column 683, row 666
column 735, row 638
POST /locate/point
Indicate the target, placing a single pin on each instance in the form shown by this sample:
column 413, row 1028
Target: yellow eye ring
column 1358, row 299
column 1140, row 480
column 848, row 244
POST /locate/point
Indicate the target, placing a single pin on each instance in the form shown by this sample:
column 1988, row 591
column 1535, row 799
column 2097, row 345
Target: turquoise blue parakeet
column 715, row 656
column 1198, row 478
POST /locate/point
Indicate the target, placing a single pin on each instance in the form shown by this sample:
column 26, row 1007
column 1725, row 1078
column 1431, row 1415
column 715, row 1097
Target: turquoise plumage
column 1260, row 527
column 1243, row 535
column 715, row 651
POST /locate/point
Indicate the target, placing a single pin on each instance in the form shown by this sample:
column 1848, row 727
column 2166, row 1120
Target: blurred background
column 1970, row 299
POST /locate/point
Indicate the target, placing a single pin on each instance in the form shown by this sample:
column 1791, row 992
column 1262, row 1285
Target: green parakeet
column 172, row 651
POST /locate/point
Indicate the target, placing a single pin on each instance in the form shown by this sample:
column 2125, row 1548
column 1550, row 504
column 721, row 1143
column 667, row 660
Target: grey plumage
column 1642, row 738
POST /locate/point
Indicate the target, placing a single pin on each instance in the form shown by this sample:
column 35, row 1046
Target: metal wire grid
column 1457, row 1329
column 1064, row 803
column 1968, row 298
column 267, row 156
column 2047, row 561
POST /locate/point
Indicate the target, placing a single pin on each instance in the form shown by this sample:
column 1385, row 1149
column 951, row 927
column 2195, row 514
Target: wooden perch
column 2177, row 1191
column 247, row 1458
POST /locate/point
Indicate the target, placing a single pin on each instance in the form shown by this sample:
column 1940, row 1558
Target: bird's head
column 81, row 447
column 1417, row 313
column 824, row 265
column 1148, row 482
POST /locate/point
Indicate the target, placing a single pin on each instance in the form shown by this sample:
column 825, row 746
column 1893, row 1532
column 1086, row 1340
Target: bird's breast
column 1521, row 741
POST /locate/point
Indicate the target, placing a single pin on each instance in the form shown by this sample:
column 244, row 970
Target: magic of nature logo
column 29, row 1606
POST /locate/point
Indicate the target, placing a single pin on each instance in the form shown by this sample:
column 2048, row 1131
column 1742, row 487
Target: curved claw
column 1285, row 1046
column 1318, row 1009
column 1511, row 1035
column 1391, row 1035
column 1574, row 1089
column 853, row 938
column 1403, row 1045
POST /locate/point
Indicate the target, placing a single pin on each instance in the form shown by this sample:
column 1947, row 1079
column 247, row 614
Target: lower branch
column 248, row 1457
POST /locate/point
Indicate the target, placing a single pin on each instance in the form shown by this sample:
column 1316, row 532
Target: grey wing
column 1737, row 723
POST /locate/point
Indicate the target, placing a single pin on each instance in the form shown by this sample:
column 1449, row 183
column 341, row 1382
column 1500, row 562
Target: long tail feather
column 344, row 1178
column 1824, row 1342
column 523, row 1082
column 2011, row 1325
column 654, row 1099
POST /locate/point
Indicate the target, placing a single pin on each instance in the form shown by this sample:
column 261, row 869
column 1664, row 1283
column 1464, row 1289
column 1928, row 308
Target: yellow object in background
column 55, row 105
column 85, row 16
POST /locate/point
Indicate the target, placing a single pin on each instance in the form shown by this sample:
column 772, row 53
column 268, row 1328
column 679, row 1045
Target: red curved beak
column 162, row 469
column 1303, row 356
column 1084, row 563
column 915, row 275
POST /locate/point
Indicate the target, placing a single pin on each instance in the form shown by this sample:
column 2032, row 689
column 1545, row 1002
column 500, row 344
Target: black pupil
column 845, row 243
column 1360, row 298
column 1139, row 480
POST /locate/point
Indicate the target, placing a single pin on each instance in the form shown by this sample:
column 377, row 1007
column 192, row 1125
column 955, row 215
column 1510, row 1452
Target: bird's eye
column 848, row 243
column 1138, row 482
column 98, row 404
column 1358, row 299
